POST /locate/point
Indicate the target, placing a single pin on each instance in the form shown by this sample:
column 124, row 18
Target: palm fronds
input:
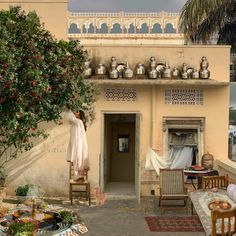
column 201, row 19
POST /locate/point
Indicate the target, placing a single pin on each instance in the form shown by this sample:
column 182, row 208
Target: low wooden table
column 198, row 174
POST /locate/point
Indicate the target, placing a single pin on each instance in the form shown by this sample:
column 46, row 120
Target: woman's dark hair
column 68, row 106
column 83, row 118
column 82, row 115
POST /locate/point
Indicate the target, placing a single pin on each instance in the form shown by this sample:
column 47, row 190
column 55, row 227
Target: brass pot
column 140, row 69
column 166, row 72
column 128, row 73
column 113, row 73
column 88, row 72
column 100, row 69
column 204, row 74
column 195, row 74
column 175, row 72
column 152, row 73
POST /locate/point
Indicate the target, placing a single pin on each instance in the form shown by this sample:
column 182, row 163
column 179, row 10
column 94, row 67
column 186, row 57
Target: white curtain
column 177, row 157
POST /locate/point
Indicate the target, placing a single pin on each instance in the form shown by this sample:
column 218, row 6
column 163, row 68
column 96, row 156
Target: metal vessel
column 87, row 69
column 140, row 69
column 113, row 73
column 128, row 72
column 166, row 72
column 100, row 69
column 195, row 74
column 152, row 72
column 175, row 72
column 204, row 72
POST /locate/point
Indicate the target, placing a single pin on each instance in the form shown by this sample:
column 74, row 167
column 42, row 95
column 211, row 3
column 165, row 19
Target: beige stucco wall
column 125, row 40
column 44, row 165
column 51, row 12
column 215, row 128
column 51, row 170
column 214, row 109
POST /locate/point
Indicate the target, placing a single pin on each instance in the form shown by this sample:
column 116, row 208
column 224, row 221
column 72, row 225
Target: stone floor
column 125, row 218
column 119, row 217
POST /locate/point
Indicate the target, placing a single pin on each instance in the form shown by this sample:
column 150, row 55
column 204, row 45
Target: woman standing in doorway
column 77, row 151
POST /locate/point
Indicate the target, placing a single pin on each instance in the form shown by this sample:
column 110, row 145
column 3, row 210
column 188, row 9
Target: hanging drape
column 177, row 157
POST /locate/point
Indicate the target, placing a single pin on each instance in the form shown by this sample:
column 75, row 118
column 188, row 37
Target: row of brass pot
column 155, row 70
column 160, row 71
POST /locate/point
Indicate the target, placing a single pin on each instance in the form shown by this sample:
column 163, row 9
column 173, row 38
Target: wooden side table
column 198, row 174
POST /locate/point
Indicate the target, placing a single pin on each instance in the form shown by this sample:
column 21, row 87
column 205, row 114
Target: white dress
column 77, row 151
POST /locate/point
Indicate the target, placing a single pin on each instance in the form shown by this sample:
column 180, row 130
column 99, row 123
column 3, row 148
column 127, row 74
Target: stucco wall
column 123, row 40
column 44, row 165
column 51, row 170
column 214, row 108
column 53, row 13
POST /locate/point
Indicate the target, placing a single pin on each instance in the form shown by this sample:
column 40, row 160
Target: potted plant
column 67, row 216
column 21, row 192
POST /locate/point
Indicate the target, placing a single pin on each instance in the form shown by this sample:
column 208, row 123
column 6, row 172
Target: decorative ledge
column 150, row 182
column 227, row 165
column 159, row 82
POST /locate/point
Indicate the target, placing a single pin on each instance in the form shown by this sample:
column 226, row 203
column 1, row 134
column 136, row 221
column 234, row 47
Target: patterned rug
column 174, row 224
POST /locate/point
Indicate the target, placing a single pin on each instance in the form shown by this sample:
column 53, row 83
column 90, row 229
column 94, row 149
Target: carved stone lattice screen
column 120, row 94
column 184, row 96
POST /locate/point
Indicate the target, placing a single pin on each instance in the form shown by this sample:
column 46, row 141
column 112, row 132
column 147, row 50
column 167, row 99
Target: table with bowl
column 198, row 172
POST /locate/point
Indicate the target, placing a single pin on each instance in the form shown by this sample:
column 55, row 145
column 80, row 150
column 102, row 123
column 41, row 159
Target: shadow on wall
column 16, row 167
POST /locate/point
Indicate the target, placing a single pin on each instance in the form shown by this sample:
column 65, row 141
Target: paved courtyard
column 120, row 217
column 124, row 218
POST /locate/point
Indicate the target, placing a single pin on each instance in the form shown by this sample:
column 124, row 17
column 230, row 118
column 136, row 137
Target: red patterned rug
column 174, row 224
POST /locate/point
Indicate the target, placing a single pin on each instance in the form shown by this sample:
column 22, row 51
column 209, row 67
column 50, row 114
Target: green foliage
column 201, row 20
column 67, row 216
column 21, row 229
column 39, row 77
column 22, row 190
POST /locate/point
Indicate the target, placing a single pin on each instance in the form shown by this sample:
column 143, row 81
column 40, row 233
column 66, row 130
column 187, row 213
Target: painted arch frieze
column 162, row 22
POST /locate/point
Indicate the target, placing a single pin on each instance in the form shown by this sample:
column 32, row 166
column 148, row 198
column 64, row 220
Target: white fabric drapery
column 77, row 151
column 175, row 158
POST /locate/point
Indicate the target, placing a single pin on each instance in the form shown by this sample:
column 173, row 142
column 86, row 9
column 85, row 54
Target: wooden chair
column 172, row 189
column 227, row 220
column 77, row 188
column 209, row 182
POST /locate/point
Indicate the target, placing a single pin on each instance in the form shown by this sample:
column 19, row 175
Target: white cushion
column 231, row 191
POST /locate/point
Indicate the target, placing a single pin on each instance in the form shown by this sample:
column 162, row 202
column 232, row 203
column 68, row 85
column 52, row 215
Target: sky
column 126, row 5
